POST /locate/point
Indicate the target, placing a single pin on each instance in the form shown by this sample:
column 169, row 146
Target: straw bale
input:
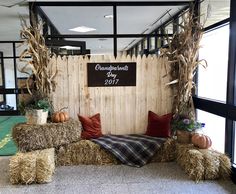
column 36, row 137
column 45, row 166
column 211, row 164
column 194, row 165
column 202, row 164
column 167, row 152
column 181, row 151
column 225, row 166
column 83, row 152
column 23, row 168
column 32, row 167
column 14, row 170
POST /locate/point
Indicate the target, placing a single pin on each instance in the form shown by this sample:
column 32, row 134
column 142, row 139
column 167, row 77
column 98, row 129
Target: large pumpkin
column 201, row 141
column 60, row 116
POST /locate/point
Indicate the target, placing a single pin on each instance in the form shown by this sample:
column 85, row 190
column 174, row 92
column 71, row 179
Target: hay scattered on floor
column 167, row 152
column 37, row 137
column 32, row 167
column 83, row 152
column 202, row 164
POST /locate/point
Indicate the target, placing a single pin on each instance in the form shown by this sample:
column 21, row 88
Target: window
column 214, row 128
column 212, row 81
column 214, row 11
column 152, row 43
column 234, row 149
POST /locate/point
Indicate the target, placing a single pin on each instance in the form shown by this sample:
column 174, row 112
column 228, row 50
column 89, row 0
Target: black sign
column 111, row 74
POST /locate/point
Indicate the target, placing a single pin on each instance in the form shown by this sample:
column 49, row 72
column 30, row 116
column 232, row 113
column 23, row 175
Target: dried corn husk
column 38, row 66
column 182, row 54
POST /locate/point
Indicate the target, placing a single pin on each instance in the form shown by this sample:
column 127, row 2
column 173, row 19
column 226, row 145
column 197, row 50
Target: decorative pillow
column 91, row 126
column 158, row 126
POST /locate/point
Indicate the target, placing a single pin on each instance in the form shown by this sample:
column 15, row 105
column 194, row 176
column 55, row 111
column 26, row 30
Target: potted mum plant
column 183, row 127
column 36, row 108
column 41, row 76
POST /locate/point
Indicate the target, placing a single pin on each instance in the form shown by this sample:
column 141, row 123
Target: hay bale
column 225, row 166
column 32, row 167
column 202, row 164
column 83, row 152
column 211, row 164
column 37, row 137
column 194, row 165
column 45, row 165
column 181, row 151
column 23, row 168
column 167, row 152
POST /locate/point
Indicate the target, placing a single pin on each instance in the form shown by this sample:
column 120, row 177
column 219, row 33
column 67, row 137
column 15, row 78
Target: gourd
column 60, row 116
column 201, row 141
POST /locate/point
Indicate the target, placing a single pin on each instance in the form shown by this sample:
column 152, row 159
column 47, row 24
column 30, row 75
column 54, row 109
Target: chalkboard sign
column 111, row 74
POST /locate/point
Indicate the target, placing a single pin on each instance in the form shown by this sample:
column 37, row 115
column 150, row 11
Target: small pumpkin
column 60, row 116
column 201, row 141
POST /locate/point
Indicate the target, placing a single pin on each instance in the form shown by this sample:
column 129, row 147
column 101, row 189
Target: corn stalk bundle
column 42, row 72
column 182, row 54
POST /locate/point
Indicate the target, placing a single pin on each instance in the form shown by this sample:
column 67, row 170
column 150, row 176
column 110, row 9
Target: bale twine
column 32, row 167
column 83, row 152
column 37, row 137
column 167, row 152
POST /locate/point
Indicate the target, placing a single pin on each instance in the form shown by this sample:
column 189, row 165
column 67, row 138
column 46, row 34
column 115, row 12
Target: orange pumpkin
column 201, row 141
column 60, row 117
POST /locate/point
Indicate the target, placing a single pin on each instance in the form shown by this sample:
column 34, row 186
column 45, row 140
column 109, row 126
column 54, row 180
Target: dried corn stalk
column 42, row 72
column 182, row 54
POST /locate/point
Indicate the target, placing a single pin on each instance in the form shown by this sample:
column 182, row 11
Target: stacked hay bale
column 35, row 163
column 36, row 137
column 167, row 152
column 83, row 152
column 202, row 164
column 32, row 167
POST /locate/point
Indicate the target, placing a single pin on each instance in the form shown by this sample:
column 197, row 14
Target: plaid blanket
column 132, row 150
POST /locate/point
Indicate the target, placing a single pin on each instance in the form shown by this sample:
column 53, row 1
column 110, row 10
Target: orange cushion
column 91, row 126
column 158, row 126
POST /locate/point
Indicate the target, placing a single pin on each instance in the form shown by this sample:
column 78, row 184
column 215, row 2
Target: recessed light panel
column 109, row 16
column 82, row 29
column 70, row 47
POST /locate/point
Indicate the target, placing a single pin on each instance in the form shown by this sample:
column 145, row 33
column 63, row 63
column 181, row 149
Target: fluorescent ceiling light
column 109, row 16
column 70, row 47
column 82, row 29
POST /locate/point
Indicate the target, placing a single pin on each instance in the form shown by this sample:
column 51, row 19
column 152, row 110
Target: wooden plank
column 123, row 110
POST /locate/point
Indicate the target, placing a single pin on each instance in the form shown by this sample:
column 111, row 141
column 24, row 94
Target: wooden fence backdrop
column 123, row 110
